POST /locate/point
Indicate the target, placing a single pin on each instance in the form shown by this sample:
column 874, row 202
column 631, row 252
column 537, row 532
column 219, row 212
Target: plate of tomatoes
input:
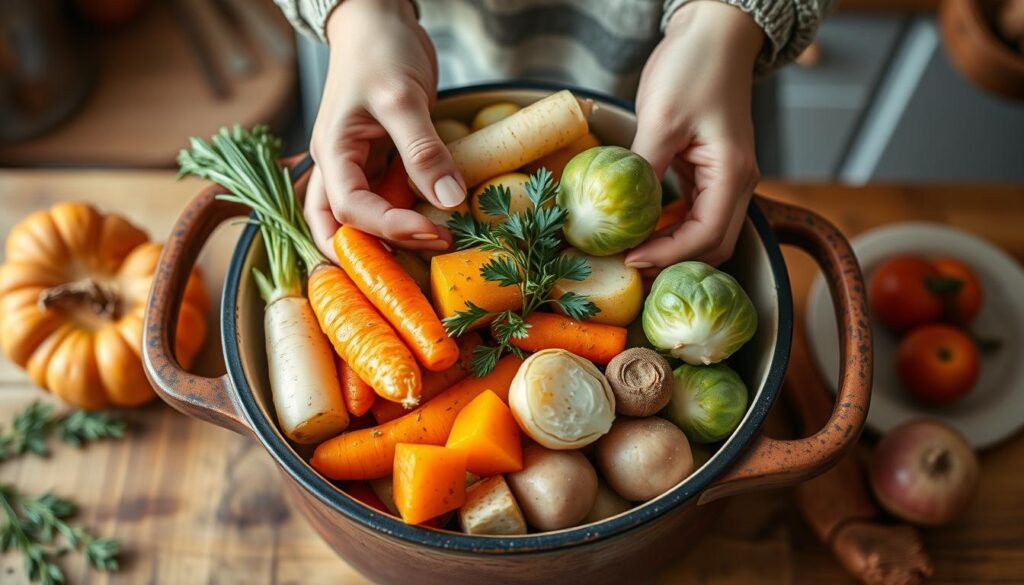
column 947, row 317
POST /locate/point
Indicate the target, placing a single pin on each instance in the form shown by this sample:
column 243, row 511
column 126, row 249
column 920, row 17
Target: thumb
column 426, row 158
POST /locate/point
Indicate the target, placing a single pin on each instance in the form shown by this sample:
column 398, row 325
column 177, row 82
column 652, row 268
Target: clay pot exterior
column 618, row 549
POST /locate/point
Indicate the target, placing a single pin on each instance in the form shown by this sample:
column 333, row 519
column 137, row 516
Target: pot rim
column 330, row 495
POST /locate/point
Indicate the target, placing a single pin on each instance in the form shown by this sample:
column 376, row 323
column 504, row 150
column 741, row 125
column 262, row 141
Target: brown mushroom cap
column 641, row 381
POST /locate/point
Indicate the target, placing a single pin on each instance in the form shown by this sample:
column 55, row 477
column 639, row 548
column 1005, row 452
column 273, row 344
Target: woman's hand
column 381, row 84
column 693, row 113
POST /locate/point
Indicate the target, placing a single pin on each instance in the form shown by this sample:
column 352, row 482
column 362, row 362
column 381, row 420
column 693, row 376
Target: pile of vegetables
column 496, row 389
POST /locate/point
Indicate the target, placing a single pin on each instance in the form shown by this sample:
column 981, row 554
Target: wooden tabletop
column 192, row 503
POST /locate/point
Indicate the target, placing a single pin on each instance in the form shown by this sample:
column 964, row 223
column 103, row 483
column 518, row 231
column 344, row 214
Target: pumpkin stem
column 101, row 297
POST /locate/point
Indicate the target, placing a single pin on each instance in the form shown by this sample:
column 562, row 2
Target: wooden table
column 192, row 503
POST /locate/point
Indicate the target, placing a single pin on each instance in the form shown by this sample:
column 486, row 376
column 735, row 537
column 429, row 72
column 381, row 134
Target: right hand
column 381, row 83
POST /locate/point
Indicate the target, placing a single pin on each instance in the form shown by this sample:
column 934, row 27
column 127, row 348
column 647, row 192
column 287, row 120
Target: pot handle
column 208, row 399
column 772, row 462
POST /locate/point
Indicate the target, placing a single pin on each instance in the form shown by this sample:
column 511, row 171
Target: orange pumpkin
column 73, row 292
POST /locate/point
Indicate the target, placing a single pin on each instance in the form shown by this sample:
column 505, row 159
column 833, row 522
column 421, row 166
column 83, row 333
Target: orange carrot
column 428, row 481
column 369, row 453
column 434, row 383
column 397, row 296
column 394, row 188
column 362, row 337
column 673, row 213
column 594, row 341
column 358, row 395
column 361, row 492
column 489, row 435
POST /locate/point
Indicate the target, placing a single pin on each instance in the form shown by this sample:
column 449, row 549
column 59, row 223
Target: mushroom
column 555, row 489
column 642, row 458
column 641, row 380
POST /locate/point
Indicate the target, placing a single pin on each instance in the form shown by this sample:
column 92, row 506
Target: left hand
column 694, row 114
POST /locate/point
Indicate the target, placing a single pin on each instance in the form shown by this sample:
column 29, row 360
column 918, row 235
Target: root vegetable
column 593, row 341
column 561, row 400
column 556, row 161
column 672, row 214
column 616, row 289
column 449, row 130
column 641, row 380
column 369, row 453
column 606, row 504
column 534, row 131
column 394, row 187
column 555, row 489
column 642, row 458
column 487, row 432
column 395, row 294
column 455, row 279
column 924, row 472
column 515, row 183
column 428, row 481
column 358, row 395
column 493, row 113
column 439, row 216
column 303, row 379
column 491, row 508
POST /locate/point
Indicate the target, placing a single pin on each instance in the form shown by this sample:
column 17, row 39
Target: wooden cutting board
column 192, row 503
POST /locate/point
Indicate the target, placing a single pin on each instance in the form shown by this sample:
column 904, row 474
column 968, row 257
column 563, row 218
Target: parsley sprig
column 37, row 526
column 527, row 255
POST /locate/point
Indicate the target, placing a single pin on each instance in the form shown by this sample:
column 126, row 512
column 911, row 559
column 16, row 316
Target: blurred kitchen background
column 123, row 83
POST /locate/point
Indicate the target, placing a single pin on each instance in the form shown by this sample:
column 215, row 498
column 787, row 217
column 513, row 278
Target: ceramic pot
column 620, row 548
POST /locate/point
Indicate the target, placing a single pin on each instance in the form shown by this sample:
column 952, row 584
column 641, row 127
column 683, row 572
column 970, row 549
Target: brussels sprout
column 698, row 314
column 707, row 403
column 613, row 200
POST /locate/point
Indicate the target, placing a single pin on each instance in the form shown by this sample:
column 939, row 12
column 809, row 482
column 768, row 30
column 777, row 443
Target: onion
column 924, row 472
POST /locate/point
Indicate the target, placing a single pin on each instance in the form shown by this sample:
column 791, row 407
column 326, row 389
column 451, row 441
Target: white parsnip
column 303, row 377
column 530, row 133
column 491, row 508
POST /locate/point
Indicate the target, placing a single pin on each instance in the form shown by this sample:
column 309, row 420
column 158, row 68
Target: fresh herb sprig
column 527, row 256
column 37, row 526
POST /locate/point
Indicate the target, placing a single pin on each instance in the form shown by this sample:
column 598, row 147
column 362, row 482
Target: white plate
column 994, row 410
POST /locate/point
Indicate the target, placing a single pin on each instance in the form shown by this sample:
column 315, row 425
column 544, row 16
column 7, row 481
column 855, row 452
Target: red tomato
column 899, row 295
column 938, row 363
column 964, row 302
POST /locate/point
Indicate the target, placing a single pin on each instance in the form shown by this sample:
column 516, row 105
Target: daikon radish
column 534, row 131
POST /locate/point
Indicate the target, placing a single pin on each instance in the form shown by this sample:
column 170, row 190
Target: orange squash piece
column 455, row 279
column 429, row 481
column 488, row 434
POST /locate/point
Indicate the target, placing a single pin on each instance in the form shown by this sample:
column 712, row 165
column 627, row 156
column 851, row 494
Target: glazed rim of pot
column 268, row 433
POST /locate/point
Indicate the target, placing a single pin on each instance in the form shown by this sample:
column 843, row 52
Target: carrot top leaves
column 245, row 162
column 528, row 256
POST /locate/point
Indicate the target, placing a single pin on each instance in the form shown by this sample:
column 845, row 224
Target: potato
column 492, row 113
column 449, row 130
column 555, row 489
column 556, row 161
column 642, row 458
column 416, row 267
column 438, row 216
column 516, row 184
column 607, row 504
column 491, row 508
column 615, row 288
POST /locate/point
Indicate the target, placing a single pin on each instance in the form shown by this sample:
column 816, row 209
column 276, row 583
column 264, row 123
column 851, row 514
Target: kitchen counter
column 192, row 503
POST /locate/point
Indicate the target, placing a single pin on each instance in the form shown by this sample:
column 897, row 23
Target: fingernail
column 639, row 265
column 448, row 191
column 425, row 236
column 437, row 245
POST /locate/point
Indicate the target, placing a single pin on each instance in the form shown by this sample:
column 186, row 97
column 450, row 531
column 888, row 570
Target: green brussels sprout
column 612, row 198
column 707, row 403
column 698, row 314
